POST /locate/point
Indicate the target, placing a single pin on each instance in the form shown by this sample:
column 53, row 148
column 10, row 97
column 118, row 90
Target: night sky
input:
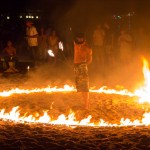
column 78, row 11
column 91, row 5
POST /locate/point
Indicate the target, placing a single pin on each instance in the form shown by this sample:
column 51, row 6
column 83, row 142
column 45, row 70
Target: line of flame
column 70, row 120
column 66, row 88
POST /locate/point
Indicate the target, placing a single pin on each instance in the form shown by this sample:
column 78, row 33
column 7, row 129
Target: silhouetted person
column 142, row 42
column 98, row 46
column 53, row 43
column 125, row 42
column 10, row 58
column 109, row 46
column 43, row 45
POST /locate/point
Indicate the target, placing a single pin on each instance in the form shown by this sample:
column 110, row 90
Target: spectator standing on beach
column 32, row 39
column 109, row 46
column 98, row 46
column 9, row 55
column 43, row 45
column 53, row 44
column 125, row 42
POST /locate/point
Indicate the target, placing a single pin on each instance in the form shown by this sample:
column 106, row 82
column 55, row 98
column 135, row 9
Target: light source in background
column 8, row 17
column 20, row 17
column 50, row 52
column 37, row 17
column 61, row 47
column 28, row 68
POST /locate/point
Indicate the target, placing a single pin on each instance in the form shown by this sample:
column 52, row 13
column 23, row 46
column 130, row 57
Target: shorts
column 81, row 77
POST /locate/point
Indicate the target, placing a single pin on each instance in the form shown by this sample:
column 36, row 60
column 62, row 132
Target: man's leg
column 34, row 54
column 85, row 96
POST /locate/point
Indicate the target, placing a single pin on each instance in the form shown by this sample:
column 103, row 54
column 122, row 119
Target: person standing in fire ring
column 82, row 58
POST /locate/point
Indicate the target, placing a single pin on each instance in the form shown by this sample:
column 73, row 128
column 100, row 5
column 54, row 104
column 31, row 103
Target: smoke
column 83, row 15
column 50, row 74
column 128, row 76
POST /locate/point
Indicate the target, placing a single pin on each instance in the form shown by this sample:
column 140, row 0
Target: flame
column 143, row 92
column 70, row 120
column 28, row 68
column 48, row 89
column 104, row 89
column 61, row 47
column 65, row 88
column 50, row 52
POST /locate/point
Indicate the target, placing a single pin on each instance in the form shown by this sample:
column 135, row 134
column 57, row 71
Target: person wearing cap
column 32, row 39
column 82, row 58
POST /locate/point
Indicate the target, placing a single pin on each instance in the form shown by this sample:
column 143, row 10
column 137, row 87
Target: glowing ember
column 144, row 92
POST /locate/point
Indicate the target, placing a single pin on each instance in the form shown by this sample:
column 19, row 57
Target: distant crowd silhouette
column 111, row 46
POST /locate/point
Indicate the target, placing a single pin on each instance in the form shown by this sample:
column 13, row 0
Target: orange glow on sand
column 70, row 119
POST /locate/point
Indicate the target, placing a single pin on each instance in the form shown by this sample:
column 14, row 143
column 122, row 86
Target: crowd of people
column 110, row 46
column 102, row 47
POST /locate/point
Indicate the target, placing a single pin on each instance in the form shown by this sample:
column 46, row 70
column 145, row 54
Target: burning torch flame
column 61, row 46
column 50, row 52
column 28, row 68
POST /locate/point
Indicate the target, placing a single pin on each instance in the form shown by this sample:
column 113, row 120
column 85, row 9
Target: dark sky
column 77, row 10
column 79, row 13
column 92, row 5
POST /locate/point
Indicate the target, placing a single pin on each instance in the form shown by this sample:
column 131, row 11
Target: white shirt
column 32, row 41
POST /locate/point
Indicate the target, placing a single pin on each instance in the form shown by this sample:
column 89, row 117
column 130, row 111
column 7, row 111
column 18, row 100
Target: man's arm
column 89, row 56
